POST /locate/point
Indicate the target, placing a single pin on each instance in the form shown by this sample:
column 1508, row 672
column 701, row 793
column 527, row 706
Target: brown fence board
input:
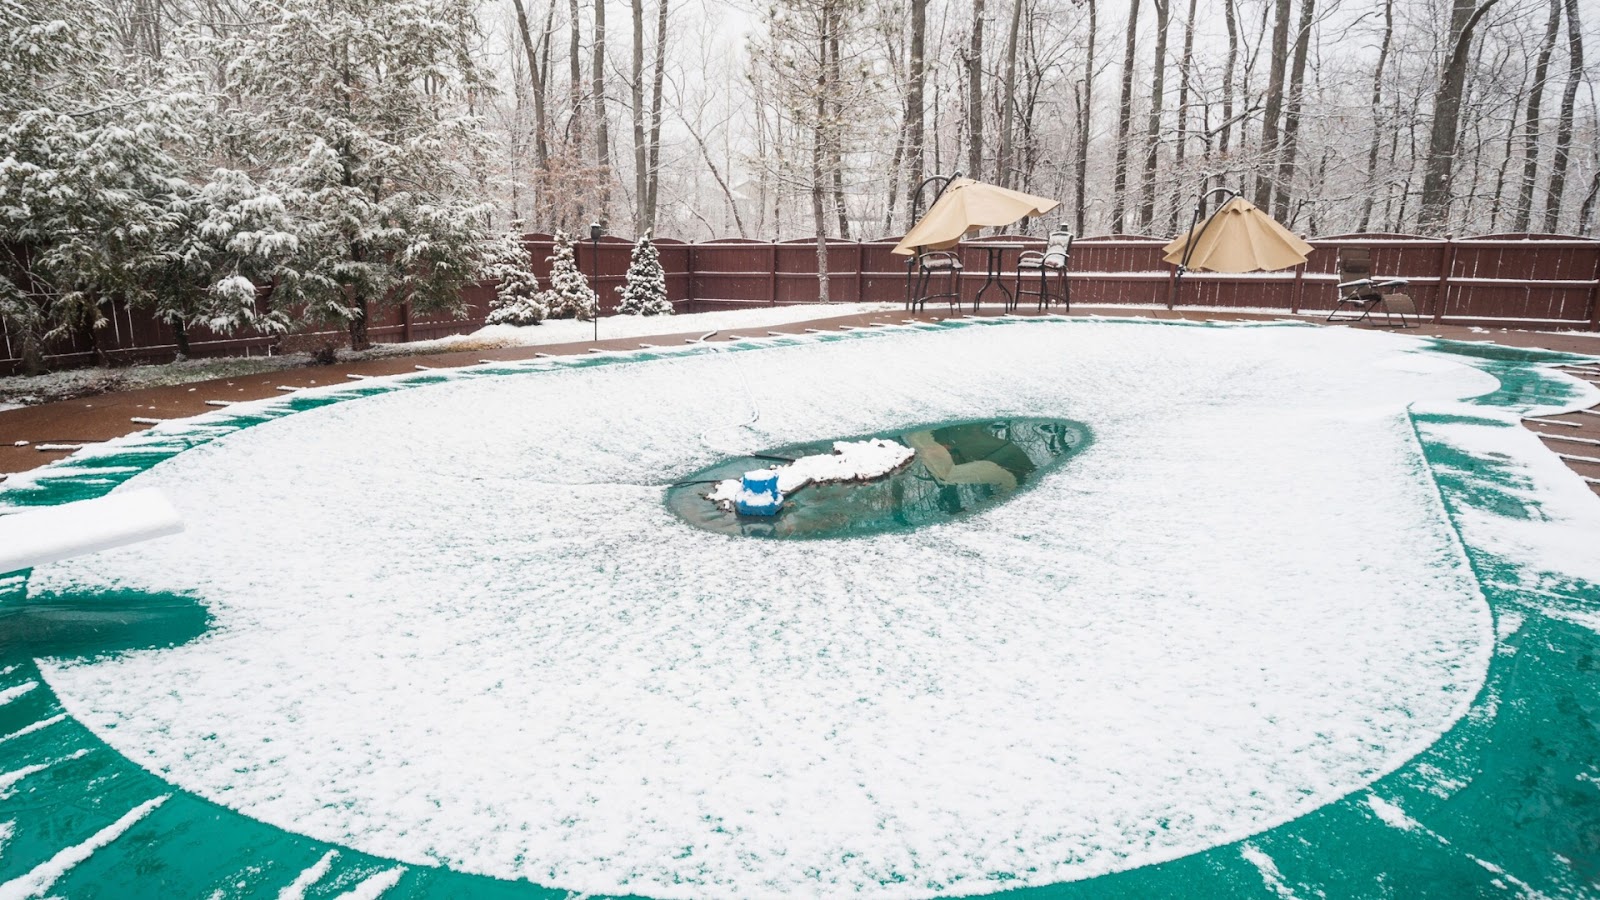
column 1497, row 279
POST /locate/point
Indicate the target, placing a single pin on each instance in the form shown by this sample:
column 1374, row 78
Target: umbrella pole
column 916, row 213
column 1193, row 238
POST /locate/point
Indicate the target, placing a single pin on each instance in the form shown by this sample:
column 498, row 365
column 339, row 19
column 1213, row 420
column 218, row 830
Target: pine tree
column 645, row 291
column 86, row 173
column 362, row 110
column 570, row 295
column 224, row 238
column 518, row 300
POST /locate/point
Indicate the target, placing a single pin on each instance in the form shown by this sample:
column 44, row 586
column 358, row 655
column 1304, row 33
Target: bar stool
column 935, row 262
column 1054, row 258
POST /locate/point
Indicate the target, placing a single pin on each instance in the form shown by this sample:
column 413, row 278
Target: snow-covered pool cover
column 455, row 625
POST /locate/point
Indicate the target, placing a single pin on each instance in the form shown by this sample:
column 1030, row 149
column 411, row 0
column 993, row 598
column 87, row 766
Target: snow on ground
column 572, row 331
column 18, row 390
column 455, row 625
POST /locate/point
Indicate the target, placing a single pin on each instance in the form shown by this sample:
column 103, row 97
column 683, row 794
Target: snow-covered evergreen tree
column 518, row 300
column 645, row 291
column 86, row 172
column 570, row 294
column 360, row 111
column 227, row 236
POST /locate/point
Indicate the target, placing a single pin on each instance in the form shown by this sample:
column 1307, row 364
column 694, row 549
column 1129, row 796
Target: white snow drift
column 455, row 624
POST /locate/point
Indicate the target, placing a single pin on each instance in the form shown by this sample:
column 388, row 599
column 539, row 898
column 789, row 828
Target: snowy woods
column 783, row 119
column 263, row 163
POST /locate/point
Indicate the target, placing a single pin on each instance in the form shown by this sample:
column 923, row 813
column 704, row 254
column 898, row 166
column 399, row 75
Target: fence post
column 1449, row 257
column 405, row 322
column 1594, row 292
column 692, row 262
column 861, row 265
column 772, row 283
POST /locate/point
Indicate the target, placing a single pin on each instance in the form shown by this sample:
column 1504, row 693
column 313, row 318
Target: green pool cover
column 1506, row 803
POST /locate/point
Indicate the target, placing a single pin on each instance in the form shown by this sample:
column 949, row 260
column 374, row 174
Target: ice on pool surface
column 456, row 624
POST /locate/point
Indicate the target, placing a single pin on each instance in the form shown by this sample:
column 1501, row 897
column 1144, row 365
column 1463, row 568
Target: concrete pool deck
column 1575, row 437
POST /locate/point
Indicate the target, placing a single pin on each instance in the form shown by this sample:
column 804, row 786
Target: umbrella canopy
column 968, row 205
column 1240, row 238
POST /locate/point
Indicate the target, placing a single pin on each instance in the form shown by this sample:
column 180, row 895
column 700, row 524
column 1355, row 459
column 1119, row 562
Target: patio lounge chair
column 1362, row 292
column 1056, row 255
column 930, row 264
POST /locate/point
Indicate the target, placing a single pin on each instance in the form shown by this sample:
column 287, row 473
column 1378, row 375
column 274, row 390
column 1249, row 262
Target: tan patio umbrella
column 966, row 206
column 1238, row 238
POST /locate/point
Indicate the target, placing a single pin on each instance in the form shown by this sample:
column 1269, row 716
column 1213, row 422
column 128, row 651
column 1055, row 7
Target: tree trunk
column 1439, row 167
column 916, row 108
column 819, row 218
column 575, row 85
column 1291, row 122
column 835, row 132
column 180, row 338
column 1558, row 163
column 1184, row 69
column 1119, row 185
column 1498, row 204
column 716, row 174
column 358, row 326
column 1586, row 211
column 1084, row 109
column 602, row 135
column 975, row 95
column 1274, row 110
column 654, row 190
column 641, row 162
column 32, row 352
column 1377, row 115
column 541, row 150
column 1152, row 128
column 1008, row 104
column 895, row 164
column 1530, row 144
column 1228, row 69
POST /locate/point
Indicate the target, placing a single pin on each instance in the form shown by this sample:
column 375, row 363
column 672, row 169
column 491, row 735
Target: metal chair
column 1056, row 255
column 930, row 263
column 1361, row 291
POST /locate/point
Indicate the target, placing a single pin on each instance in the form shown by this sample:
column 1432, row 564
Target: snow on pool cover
column 456, row 626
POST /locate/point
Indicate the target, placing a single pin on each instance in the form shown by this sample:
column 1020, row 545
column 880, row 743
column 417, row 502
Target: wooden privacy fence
column 1544, row 281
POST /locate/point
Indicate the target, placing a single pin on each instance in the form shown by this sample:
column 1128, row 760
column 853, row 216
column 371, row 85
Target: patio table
column 995, row 251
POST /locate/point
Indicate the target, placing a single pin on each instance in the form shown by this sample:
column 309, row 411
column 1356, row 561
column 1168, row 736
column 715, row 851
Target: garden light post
column 595, row 230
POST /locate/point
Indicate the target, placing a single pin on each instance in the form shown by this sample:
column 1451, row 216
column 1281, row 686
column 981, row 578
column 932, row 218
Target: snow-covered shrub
column 224, row 237
column 517, row 297
column 570, row 294
column 645, row 291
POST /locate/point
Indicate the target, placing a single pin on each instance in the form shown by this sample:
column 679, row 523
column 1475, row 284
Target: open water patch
column 959, row 468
